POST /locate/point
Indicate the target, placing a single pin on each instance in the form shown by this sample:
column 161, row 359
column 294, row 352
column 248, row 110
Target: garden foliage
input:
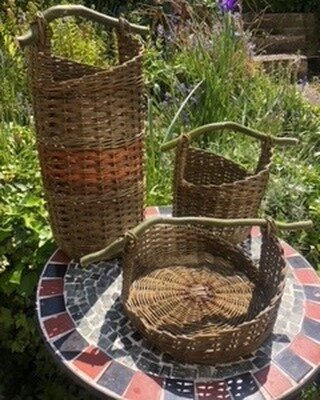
column 197, row 71
column 282, row 5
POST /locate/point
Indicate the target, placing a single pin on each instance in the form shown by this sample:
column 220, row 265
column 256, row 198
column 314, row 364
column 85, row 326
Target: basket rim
column 53, row 84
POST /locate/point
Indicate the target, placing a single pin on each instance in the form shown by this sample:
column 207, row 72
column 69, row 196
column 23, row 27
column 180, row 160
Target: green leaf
column 28, row 283
column 15, row 277
column 169, row 130
column 5, row 233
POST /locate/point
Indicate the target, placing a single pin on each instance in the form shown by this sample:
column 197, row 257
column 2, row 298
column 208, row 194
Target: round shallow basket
column 199, row 298
column 210, row 185
column 90, row 134
column 196, row 296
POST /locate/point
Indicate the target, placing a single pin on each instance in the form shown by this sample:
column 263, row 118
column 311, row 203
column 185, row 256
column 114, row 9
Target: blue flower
column 228, row 5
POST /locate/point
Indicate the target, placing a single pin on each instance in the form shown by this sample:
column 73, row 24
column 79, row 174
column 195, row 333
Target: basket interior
column 186, row 281
column 119, row 49
column 206, row 168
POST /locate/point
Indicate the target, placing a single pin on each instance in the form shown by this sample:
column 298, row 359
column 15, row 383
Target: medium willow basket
column 90, row 136
column 207, row 184
column 196, row 296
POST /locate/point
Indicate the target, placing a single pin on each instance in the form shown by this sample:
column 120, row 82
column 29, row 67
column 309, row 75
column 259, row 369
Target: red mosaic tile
column 312, row 310
column 255, row 231
column 288, row 250
column 212, row 391
column 151, row 212
column 60, row 257
column 91, row 362
column 307, row 276
column 306, row 348
column 51, row 287
column 56, row 325
column 143, row 387
column 273, row 381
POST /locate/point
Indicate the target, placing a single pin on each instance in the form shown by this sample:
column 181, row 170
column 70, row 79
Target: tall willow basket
column 90, row 134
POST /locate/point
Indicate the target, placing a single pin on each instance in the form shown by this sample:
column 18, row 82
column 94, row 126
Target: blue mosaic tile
column 77, row 316
column 244, row 387
column 52, row 305
column 55, row 271
column 116, row 378
column 71, row 345
column 262, row 361
column 311, row 328
column 312, row 293
column 165, row 210
column 176, row 389
column 298, row 262
column 292, row 364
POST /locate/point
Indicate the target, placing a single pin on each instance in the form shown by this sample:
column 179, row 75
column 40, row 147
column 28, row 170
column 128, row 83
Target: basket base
column 191, row 301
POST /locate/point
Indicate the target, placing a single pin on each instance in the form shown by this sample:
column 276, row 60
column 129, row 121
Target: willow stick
column 56, row 12
column 205, row 129
column 118, row 246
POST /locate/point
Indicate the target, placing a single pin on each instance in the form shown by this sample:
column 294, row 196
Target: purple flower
column 228, row 5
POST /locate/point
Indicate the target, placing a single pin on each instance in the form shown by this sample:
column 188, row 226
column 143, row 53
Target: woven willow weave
column 90, row 135
column 199, row 298
column 209, row 185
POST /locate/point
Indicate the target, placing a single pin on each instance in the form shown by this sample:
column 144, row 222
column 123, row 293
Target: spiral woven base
column 193, row 300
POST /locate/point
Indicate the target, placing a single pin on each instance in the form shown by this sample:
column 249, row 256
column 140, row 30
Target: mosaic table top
column 82, row 322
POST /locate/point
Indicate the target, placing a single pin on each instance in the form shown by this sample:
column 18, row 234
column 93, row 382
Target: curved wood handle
column 285, row 141
column 118, row 245
column 56, row 12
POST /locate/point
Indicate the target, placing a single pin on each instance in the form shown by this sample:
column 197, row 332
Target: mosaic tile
column 91, row 362
column 298, row 262
column 244, row 387
column 60, row 256
column 58, row 324
column 179, row 389
column 152, row 367
column 261, row 362
column 152, row 212
column 306, row 348
column 71, row 345
column 51, row 287
column 312, row 293
column 204, row 371
column 212, row 391
column 275, row 382
column 288, row 250
column 165, row 210
column 307, row 276
column 55, row 270
column 312, row 310
column 52, row 305
column 311, row 329
column 292, row 364
column 116, row 378
column 144, row 387
column 166, row 371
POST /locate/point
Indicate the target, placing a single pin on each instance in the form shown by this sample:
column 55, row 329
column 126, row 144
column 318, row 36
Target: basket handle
column 56, row 12
column 285, row 141
column 118, row 245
